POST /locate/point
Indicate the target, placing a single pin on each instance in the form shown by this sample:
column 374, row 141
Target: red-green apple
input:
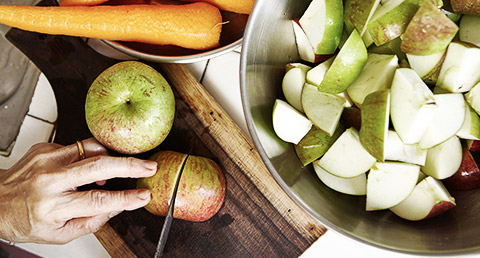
column 467, row 176
column 347, row 157
column 444, row 159
column 389, row 183
column 352, row 186
column 288, row 123
column 376, row 75
column 201, row 188
column 323, row 25
column 429, row 32
column 412, row 105
column 315, row 143
column 375, row 114
column 130, row 108
column 428, row 199
column 459, row 72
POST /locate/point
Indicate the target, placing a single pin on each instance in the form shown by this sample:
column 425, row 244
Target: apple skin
column 474, row 145
column 471, row 7
column 467, row 176
column 201, row 189
column 440, row 208
column 130, row 108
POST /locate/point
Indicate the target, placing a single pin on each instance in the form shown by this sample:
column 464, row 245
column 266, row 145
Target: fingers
column 94, row 202
column 78, row 227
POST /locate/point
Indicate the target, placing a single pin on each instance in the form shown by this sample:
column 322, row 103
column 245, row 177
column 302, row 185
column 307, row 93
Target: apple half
column 347, row 157
column 389, row 183
column 288, row 123
column 352, row 186
column 428, row 199
column 444, row 159
column 412, row 105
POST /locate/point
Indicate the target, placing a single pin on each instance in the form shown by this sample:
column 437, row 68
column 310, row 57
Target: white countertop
column 220, row 77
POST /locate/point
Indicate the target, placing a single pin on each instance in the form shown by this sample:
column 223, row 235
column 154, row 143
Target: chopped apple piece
column 396, row 150
column 428, row 199
column 473, row 98
column 316, row 74
column 377, row 74
column 469, row 25
column 389, row 183
column 292, row 85
column 375, row 114
column 304, row 67
column 357, row 14
column 447, row 119
column 347, row 157
column 459, row 72
column 426, row 66
column 288, row 123
column 444, row 159
column 471, row 126
column 413, row 105
column 304, row 47
column 315, row 143
column 467, row 176
column 353, row 186
column 323, row 109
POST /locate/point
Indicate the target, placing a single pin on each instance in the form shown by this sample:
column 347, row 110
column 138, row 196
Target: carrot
column 81, row 2
column 194, row 26
column 236, row 6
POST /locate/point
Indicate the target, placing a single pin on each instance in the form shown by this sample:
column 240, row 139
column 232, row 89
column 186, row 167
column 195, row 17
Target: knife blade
column 162, row 241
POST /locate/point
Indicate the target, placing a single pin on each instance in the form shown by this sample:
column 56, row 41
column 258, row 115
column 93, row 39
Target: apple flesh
column 201, row 189
column 471, row 126
column 352, row 186
column 396, row 150
column 288, row 123
column 428, row 199
column 426, row 65
column 357, row 14
column 469, row 25
column 130, row 108
column 389, row 183
column 467, row 176
column 304, row 47
column 292, row 85
column 429, row 32
column 444, row 159
column 473, row 98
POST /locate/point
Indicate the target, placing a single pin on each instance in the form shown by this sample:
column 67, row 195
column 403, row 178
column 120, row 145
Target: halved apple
column 413, row 105
column 375, row 114
column 347, row 157
column 323, row 25
column 447, row 119
column 323, row 109
column 429, row 32
column 292, row 85
column 471, row 126
column 377, row 74
column 444, row 159
column 288, row 123
column 459, row 72
column 428, row 199
column 315, row 143
column 389, row 183
column 469, row 32
column 396, row 150
column 346, row 66
column 353, row 186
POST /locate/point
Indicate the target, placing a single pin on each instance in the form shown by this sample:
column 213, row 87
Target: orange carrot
column 81, row 2
column 236, row 6
column 194, row 26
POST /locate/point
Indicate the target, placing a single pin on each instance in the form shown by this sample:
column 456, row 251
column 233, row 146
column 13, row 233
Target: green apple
column 428, row 199
column 346, row 66
column 444, row 159
column 323, row 25
column 448, row 118
column 396, row 150
column 473, row 98
column 347, row 157
column 357, row 14
column 288, row 123
column 315, row 143
column 292, row 85
column 471, row 7
column 429, row 31
column 352, row 186
column 316, row 74
column 459, row 72
column 389, row 183
column 427, row 65
column 323, row 109
column 375, row 114
column 130, row 108
column 377, row 74
column 412, row 105
column 201, row 186
column 391, row 19
column 469, row 32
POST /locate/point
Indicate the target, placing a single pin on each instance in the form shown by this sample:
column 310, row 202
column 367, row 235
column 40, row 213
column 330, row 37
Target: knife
column 169, row 218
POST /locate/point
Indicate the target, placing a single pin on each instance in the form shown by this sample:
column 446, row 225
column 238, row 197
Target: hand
column 39, row 201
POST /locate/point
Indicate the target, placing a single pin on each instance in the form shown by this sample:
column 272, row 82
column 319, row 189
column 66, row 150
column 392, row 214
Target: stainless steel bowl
column 268, row 45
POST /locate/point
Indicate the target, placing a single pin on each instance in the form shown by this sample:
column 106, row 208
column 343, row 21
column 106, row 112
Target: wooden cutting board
column 257, row 219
